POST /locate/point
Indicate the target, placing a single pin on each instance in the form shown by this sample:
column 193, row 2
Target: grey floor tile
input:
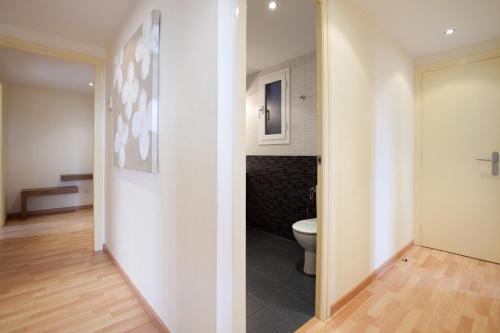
column 279, row 299
column 272, row 318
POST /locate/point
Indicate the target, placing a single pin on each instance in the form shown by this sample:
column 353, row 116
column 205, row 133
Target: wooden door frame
column 322, row 308
column 419, row 112
column 3, row 203
column 99, row 121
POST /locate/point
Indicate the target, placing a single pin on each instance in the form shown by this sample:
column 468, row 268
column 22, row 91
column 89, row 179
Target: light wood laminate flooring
column 51, row 280
column 434, row 291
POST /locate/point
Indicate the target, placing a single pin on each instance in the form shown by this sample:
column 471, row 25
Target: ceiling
column 90, row 21
column 419, row 25
column 19, row 67
column 274, row 37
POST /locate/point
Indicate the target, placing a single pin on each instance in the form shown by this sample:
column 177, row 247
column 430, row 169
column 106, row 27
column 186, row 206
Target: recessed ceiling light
column 272, row 5
column 91, row 84
column 450, row 31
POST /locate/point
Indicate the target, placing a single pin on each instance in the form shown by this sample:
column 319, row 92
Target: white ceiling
column 277, row 36
column 87, row 21
column 419, row 25
column 274, row 37
column 26, row 68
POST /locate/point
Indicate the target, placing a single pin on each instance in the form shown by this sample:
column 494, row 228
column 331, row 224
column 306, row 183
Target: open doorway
column 48, row 144
column 283, row 153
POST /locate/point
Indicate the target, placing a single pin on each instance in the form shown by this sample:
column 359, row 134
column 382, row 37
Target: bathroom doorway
column 283, row 165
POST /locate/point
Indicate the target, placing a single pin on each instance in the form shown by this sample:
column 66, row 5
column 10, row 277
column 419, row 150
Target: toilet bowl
column 305, row 233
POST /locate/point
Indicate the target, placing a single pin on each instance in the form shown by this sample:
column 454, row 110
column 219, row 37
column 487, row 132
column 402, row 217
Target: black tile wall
column 278, row 192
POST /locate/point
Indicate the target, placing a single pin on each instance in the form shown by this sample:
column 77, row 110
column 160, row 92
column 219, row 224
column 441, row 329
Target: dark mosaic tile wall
column 278, row 192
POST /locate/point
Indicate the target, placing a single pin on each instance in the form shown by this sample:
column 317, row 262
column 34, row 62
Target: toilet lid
column 305, row 226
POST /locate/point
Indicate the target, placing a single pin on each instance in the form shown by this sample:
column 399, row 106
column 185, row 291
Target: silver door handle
column 494, row 162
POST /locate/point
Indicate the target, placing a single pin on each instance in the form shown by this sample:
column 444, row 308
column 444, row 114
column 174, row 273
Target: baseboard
column 373, row 276
column 309, row 325
column 51, row 211
column 155, row 319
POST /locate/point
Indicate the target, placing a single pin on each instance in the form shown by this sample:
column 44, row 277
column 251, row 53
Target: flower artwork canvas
column 135, row 98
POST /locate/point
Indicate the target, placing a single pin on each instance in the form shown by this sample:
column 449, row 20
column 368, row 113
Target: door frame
column 322, row 308
column 419, row 134
column 99, row 122
column 231, row 138
column 3, row 200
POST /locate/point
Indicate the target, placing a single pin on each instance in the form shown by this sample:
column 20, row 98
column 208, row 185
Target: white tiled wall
column 302, row 113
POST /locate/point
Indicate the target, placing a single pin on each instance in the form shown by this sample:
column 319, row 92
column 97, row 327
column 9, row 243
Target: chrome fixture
column 494, row 162
column 312, row 192
column 304, row 97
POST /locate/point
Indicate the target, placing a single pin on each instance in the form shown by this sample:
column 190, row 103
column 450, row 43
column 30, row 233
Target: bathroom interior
column 281, row 163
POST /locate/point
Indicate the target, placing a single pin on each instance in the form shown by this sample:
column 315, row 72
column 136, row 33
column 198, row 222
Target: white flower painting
column 147, row 45
column 118, row 74
column 121, row 138
column 141, row 124
column 135, row 86
column 130, row 90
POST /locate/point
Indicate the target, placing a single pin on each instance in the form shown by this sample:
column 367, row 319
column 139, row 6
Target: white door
column 461, row 128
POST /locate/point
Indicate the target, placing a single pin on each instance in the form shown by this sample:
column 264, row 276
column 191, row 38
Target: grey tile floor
column 279, row 299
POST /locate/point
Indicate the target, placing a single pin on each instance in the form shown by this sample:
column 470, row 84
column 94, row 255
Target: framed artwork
column 135, row 98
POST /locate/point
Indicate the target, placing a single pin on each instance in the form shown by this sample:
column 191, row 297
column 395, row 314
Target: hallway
column 52, row 281
column 355, row 133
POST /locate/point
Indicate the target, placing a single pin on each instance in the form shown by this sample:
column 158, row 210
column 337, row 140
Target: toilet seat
column 307, row 227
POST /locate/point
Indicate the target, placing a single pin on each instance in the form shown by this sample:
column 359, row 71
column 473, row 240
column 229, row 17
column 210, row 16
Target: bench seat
column 36, row 192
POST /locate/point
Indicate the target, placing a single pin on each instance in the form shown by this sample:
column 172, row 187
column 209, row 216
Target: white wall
column 48, row 133
column 302, row 113
column 371, row 147
column 162, row 228
column 460, row 52
column 50, row 41
column 231, row 222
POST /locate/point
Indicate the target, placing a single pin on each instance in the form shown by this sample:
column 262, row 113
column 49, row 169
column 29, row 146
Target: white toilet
column 305, row 233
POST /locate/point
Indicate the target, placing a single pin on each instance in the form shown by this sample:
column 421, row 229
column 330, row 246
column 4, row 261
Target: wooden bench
column 36, row 192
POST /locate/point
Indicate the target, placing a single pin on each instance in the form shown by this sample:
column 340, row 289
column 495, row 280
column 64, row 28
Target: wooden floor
column 52, row 281
column 433, row 291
